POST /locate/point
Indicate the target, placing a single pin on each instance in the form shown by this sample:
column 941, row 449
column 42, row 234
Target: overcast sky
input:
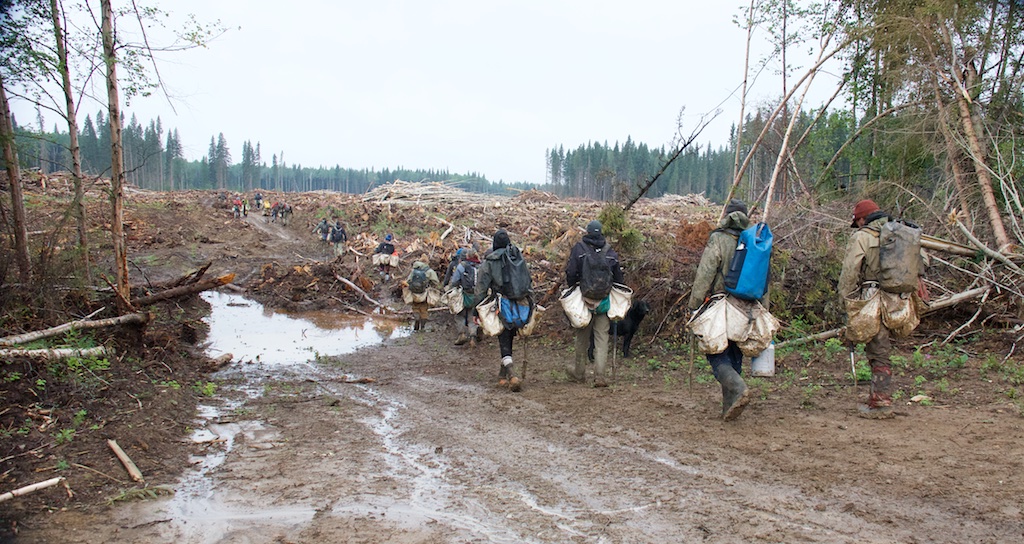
column 463, row 85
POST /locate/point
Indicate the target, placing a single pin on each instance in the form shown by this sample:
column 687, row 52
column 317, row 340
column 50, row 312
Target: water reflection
column 250, row 332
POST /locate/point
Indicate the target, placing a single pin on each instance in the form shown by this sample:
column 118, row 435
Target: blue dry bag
column 515, row 314
column 747, row 277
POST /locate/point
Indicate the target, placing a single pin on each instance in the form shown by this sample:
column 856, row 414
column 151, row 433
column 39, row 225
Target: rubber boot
column 735, row 394
column 504, row 372
column 879, row 404
column 462, row 339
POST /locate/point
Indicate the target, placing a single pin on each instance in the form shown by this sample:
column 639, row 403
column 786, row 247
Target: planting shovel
column 853, row 368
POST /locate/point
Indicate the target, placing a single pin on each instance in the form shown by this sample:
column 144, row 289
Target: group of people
column 858, row 282
column 332, row 233
column 481, row 276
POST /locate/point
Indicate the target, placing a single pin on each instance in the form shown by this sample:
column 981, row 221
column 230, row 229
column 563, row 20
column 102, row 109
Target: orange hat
column 863, row 209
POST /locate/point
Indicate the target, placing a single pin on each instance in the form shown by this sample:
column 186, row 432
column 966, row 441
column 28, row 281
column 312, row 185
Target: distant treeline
column 153, row 159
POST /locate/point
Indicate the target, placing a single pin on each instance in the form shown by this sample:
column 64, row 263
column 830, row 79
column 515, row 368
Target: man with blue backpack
column 504, row 273
column 594, row 267
column 712, row 277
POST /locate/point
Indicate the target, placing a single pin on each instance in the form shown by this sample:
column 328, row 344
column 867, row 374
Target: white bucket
column 764, row 363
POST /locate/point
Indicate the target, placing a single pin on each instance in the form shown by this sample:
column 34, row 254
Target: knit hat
column 501, row 239
column 735, row 205
column 863, row 209
column 594, row 227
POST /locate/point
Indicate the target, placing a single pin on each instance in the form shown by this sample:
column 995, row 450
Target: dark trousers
column 505, row 341
column 732, row 356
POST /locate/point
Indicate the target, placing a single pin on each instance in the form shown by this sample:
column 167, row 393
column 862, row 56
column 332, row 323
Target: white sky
column 468, row 86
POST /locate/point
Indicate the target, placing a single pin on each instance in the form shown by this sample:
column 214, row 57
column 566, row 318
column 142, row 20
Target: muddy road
column 327, row 428
column 290, row 450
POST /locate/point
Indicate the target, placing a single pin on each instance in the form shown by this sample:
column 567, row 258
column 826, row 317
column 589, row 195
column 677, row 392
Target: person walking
column 323, row 228
column 421, row 279
column 499, row 264
column 859, row 281
column 451, row 267
column 382, row 256
column 464, row 276
column 727, row 366
column 338, row 238
column 593, row 266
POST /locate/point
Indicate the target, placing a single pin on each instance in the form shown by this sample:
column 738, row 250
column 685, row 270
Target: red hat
column 863, row 209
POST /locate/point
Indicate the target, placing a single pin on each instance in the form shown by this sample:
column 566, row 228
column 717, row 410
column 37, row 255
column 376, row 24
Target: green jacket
column 488, row 276
column 714, row 263
column 431, row 275
column 861, row 262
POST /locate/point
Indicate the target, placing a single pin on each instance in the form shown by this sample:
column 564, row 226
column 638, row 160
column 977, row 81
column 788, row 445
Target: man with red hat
column 859, row 281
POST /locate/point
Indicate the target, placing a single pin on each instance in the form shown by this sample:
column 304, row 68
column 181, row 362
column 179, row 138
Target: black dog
column 625, row 328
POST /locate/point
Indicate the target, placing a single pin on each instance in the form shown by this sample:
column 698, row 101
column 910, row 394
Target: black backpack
column 515, row 275
column 596, row 275
column 468, row 279
column 338, row 236
column 418, row 281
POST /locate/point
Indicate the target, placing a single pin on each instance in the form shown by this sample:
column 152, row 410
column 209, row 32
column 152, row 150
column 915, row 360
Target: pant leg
column 505, row 341
column 878, row 350
column 582, row 346
column 732, row 357
column 600, row 324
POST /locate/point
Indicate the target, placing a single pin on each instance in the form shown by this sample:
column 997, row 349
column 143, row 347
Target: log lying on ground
column 185, row 290
column 937, row 305
column 938, row 244
column 187, row 279
column 58, row 354
column 31, row 488
column 128, row 319
column 129, row 465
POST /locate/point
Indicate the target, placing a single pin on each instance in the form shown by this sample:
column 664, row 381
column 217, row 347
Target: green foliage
column 63, row 464
column 615, row 225
column 144, row 493
column 63, row 436
column 79, row 418
column 206, row 389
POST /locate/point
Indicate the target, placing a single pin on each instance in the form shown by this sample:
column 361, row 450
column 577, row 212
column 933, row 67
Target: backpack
column 338, row 236
column 468, row 279
column 899, row 257
column 747, row 277
column 418, row 281
column 515, row 314
column 596, row 276
column 515, row 275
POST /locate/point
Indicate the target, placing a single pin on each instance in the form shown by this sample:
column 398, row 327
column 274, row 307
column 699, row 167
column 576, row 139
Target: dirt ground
column 429, row 449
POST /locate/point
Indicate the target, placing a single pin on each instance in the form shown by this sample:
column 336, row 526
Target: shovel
column 853, row 368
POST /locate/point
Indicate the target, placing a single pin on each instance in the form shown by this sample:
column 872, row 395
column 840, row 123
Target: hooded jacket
column 596, row 241
column 861, row 262
column 714, row 263
column 431, row 275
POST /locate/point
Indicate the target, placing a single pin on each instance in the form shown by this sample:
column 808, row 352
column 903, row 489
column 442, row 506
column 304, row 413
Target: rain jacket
column 861, row 262
column 573, row 270
column 488, row 276
column 431, row 275
column 714, row 263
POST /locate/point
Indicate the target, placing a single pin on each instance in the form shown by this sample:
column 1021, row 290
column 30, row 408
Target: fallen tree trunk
column 129, row 319
column 937, row 305
column 938, row 244
column 185, row 290
column 361, row 292
column 31, row 488
column 58, row 354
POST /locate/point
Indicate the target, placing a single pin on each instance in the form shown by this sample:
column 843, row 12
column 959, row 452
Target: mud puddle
column 264, row 344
